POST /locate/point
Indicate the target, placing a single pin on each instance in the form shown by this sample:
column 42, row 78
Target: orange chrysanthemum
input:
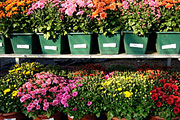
column 119, row 5
column 107, row 1
column 95, row 14
column 13, row 7
column 101, row 4
column 169, row 5
column 112, row 6
column 103, row 15
column 169, row 1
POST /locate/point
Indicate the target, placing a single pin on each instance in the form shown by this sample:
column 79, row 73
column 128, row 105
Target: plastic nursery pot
column 159, row 118
column 115, row 118
column 5, row 45
column 55, row 116
column 110, row 43
column 24, row 43
column 168, row 42
column 80, row 43
column 13, row 116
column 86, row 117
column 134, row 44
column 52, row 46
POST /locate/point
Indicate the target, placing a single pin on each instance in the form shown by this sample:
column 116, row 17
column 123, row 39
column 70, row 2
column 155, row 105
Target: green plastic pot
column 52, row 46
column 168, row 42
column 109, row 44
column 80, row 43
column 24, row 43
column 5, row 45
column 134, row 44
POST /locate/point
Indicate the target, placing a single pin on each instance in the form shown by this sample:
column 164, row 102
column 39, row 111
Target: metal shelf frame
column 123, row 55
column 118, row 56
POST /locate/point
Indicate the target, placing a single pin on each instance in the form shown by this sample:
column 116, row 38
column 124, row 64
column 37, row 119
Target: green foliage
column 112, row 23
column 20, row 23
column 48, row 21
column 140, row 17
column 170, row 20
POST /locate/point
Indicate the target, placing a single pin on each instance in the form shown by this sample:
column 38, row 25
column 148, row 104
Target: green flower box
column 5, row 45
column 134, row 44
column 51, row 46
column 80, row 43
column 24, row 43
column 109, row 44
column 168, row 42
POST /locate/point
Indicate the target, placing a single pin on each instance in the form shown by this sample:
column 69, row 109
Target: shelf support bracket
column 17, row 60
column 169, row 61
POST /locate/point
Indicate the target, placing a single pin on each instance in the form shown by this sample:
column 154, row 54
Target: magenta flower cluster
column 42, row 3
column 43, row 91
column 46, row 90
column 70, row 6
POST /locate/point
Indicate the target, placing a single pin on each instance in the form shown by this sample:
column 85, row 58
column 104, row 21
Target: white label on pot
column 23, row 46
column 113, row 45
column 50, row 47
column 80, row 46
column 136, row 45
column 1, row 44
column 49, row 119
column 170, row 46
column 10, row 119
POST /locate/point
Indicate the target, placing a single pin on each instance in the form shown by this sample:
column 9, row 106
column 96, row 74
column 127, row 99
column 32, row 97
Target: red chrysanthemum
column 155, row 96
column 170, row 100
column 176, row 93
column 164, row 97
column 167, row 85
column 176, row 110
column 153, row 91
column 161, row 93
column 175, row 87
column 158, row 89
column 158, row 104
column 170, row 89
column 177, row 102
column 163, row 81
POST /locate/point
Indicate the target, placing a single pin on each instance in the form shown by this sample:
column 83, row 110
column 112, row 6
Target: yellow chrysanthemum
column 14, row 93
column 7, row 90
column 119, row 89
column 7, row 80
column 28, row 73
column 128, row 94
column 18, row 69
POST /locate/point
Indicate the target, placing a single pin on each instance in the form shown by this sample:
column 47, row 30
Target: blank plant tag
column 113, row 45
column 136, row 45
column 50, row 47
column 80, row 46
column 170, row 46
column 1, row 44
column 23, row 46
column 10, row 119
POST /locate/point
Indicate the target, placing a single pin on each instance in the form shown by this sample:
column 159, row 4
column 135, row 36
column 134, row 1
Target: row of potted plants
column 50, row 17
column 89, row 91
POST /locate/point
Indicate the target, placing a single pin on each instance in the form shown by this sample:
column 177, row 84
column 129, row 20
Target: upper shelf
column 122, row 55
